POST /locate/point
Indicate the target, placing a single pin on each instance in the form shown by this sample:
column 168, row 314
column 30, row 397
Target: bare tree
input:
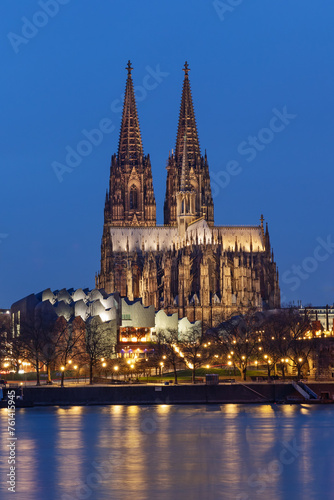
column 239, row 339
column 193, row 349
column 300, row 345
column 170, row 349
column 70, row 342
column 36, row 334
column 100, row 343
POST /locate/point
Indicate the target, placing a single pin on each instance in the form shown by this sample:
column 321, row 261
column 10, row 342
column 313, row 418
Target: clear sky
column 262, row 78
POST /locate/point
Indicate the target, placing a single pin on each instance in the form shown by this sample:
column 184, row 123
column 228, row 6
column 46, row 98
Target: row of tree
column 274, row 339
column 52, row 342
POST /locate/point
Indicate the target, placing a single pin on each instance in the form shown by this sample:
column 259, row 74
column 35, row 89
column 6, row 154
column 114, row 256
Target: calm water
column 233, row 452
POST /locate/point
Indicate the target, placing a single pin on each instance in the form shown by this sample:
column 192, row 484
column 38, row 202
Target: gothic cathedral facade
column 188, row 265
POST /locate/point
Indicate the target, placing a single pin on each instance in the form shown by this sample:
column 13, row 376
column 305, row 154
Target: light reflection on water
column 240, row 452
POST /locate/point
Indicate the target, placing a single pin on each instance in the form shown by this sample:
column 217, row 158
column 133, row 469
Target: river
column 232, row 452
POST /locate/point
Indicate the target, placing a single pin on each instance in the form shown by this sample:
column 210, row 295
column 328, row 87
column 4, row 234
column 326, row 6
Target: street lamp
column 75, row 367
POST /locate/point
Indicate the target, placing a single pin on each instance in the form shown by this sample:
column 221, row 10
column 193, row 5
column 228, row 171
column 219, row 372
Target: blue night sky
column 250, row 64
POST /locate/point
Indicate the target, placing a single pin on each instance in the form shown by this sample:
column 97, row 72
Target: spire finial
column 186, row 68
column 129, row 67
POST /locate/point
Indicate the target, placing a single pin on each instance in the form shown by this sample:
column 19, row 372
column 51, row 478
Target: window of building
column 133, row 198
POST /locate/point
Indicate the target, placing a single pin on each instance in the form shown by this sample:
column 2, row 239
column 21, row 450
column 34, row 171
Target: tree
column 100, row 343
column 70, row 342
column 169, row 349
column 300, row 346
column 36, row 336
column 239, row 338
column 193, row 351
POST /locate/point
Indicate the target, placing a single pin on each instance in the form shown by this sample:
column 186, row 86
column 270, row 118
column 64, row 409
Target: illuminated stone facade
column 188, row 266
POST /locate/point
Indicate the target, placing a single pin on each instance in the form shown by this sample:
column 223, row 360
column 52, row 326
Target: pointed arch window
column 133, row 198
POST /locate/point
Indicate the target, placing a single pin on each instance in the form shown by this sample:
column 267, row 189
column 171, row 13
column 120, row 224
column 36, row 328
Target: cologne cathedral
column 189, row 265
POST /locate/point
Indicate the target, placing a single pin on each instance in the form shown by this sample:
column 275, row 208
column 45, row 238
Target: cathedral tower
column 196, row 165
column 130, row 200
column 188, row 266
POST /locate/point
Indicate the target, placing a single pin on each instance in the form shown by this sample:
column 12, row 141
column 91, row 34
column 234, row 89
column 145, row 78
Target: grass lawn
column 185, row 375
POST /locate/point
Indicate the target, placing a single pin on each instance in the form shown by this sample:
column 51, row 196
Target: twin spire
column 130, row 146
column 131, row 200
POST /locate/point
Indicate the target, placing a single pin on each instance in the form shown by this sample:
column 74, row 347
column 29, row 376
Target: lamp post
column 115, row 368
column 104, row 364
column 75, row 367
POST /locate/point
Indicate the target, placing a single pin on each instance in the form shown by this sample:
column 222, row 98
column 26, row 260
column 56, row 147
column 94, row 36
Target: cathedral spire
column 187, row 123
column 187, row 170
column 130, row 147
column 131, row 200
